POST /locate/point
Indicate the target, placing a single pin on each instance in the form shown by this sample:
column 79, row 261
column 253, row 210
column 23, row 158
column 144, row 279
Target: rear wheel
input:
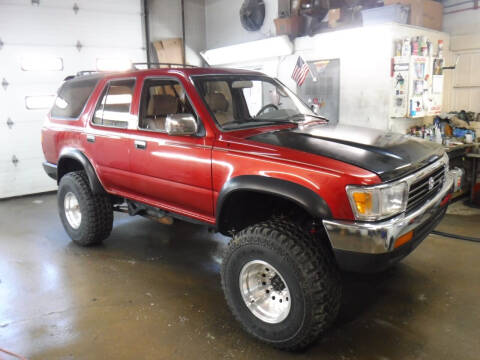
column 87, row 217
column 281, row 284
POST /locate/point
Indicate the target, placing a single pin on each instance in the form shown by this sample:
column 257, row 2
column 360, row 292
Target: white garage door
column 42, row 42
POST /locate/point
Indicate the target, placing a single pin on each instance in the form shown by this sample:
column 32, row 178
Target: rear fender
column 69, row 154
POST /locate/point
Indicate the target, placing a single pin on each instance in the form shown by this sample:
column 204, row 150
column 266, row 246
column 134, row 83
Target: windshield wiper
column 304, row 116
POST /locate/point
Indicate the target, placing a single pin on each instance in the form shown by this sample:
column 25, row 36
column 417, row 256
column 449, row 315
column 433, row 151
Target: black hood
column 387, row 154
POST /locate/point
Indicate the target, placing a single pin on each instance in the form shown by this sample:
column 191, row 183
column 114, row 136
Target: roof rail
column 86, row 72
column 159, row 64
column 81, row 73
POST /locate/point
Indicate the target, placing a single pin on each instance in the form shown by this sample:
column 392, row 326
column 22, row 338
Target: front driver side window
column 161, row 98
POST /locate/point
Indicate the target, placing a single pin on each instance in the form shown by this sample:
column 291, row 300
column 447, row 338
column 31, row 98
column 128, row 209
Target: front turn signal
column 363, row 202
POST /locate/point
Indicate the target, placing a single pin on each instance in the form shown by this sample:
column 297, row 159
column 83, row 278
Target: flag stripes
column 300, row 71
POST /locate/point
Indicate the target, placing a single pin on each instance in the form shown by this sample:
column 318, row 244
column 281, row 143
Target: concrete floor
column 152, row 292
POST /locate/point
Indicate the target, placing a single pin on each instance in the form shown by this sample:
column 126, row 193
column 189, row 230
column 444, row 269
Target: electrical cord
column 12, row 354
column 455, row 236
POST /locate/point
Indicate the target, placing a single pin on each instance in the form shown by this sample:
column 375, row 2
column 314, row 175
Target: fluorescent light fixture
column 42, row 63
column 113, row 64
column 37, row 102
column 250, row 51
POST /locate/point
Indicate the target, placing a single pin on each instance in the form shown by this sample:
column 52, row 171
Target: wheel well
column 244, row 208
column 67, row 165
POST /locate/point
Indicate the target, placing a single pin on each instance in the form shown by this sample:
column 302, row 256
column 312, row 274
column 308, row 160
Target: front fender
column 300, row 195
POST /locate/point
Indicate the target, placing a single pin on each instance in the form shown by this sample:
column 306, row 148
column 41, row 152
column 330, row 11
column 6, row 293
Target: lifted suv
column 238, row 151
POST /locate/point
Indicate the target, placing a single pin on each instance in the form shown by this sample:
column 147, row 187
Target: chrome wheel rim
column 72, row 210
column 264, row 291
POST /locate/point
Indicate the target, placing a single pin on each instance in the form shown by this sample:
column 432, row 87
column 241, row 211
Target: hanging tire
column 87, row 217
column 281, row 284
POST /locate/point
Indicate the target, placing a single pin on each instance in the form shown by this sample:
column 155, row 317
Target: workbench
column 458, row 154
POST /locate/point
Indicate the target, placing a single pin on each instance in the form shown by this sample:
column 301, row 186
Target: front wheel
column 87, row 217
column 281, row 284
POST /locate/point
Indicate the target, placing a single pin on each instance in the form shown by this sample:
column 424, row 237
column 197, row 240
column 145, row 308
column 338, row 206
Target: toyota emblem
column 431, row 183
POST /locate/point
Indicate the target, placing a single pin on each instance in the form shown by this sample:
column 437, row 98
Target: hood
column 389, row 155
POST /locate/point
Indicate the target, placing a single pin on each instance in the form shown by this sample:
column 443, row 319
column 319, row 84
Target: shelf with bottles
column 417, row 72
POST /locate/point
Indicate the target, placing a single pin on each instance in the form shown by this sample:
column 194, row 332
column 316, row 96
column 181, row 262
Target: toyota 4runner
column 236, row 150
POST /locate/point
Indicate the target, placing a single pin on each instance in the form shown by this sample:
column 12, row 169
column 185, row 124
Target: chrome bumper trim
column 379, row 237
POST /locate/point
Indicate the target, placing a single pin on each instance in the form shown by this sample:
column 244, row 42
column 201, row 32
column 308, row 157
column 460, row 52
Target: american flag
column 300, row 71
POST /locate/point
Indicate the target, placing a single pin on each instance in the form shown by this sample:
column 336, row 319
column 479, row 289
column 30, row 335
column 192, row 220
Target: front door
column 171, row 172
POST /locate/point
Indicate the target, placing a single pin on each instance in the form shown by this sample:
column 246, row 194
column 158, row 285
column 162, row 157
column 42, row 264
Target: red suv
column 238, row 151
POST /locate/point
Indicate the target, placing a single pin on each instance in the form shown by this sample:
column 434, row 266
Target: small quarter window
column 114, row 108
column 72, row 97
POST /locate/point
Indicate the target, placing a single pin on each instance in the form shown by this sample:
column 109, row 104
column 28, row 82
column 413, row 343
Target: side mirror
column 181, row 125
column 315, row 108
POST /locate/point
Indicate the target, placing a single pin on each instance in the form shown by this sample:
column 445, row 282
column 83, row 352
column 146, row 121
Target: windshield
column 240, row 101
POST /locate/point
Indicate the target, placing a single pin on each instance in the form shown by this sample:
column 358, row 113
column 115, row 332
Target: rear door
column 172, row 172
column 107, row 139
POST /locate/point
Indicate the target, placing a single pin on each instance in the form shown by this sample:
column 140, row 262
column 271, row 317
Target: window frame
column 101, row 97
column 201, row 128
column 194, row 79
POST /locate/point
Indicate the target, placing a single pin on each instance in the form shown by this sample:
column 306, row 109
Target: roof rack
column 81, row 73
column 159, row 64
column 134, row 66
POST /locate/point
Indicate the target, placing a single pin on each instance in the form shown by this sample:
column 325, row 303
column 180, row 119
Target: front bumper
column 369, row 246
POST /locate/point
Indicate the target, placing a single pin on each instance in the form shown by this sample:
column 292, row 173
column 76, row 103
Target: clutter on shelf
column 417, row 73
column 451, row 129
column 309, row 17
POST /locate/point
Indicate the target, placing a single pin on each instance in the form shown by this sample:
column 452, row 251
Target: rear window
column 72, row 97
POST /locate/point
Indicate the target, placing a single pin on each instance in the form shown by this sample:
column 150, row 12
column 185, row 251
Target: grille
column 420, row 190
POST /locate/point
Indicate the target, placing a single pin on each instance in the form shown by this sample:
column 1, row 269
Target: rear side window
column 113, row 109
column 72, row 97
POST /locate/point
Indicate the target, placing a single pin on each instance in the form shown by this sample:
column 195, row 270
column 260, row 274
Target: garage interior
column 152, row 291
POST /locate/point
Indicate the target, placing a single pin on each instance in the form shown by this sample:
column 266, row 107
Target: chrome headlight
column 379, row 201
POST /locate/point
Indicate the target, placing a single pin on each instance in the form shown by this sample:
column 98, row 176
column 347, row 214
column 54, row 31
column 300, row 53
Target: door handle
column 142, row 145
column 91, row 138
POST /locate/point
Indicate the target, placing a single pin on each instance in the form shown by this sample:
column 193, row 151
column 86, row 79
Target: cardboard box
column 169, row 51
column 293, row 25
column 425, row 13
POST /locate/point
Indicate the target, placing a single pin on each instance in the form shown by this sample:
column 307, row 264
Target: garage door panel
column 29, row 134
column 105, row 29
column 128, row 6
column 90, row 27
column 27, row 174
column 73, row 61
column 16, row 95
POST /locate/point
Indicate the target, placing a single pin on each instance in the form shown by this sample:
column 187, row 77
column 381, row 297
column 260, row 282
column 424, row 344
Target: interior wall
column 223, row 25
column 365, row 55
column 165, row 17
column 463, row 87
column 364, row 71
column 461, row 22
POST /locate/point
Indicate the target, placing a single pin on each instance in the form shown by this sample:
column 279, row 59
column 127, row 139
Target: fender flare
column 314, row 204
column 77, row 155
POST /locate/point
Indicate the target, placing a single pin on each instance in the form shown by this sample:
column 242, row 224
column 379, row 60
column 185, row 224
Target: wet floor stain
column 153, row 292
